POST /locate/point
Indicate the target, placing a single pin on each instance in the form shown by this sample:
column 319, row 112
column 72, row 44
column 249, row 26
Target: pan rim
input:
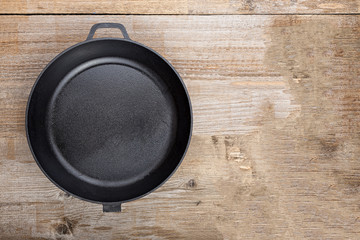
column 87, row 42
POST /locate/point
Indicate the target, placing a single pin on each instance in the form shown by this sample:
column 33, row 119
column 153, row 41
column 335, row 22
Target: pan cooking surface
column 109, row 121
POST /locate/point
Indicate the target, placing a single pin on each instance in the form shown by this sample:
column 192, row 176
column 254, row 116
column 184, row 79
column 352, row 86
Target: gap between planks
column 178, row 14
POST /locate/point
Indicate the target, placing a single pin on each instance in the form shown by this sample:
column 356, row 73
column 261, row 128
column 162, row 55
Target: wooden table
column 275, row 88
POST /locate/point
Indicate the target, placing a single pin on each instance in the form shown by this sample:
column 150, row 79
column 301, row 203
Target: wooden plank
column 180, row 6
column 275, row 148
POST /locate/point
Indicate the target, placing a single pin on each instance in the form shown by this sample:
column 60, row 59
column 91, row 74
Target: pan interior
column 111, row 121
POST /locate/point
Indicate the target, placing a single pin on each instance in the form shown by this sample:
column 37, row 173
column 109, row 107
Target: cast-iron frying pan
column 108, row 120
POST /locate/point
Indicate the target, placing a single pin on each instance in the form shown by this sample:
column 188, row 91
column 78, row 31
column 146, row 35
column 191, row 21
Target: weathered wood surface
column 180, row 6
column 276, row 147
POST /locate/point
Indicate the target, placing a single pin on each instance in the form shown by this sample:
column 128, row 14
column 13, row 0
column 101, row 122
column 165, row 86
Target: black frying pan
column 108, row 120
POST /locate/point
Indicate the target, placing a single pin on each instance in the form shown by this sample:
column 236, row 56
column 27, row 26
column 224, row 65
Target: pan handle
column 111, row 207
column 107, row 25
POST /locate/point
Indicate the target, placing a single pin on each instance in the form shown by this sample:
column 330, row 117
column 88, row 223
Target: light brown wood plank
column 275, row 151
column 181, row 6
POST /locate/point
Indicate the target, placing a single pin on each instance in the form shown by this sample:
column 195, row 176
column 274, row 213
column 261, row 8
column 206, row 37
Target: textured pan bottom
column 109, row 121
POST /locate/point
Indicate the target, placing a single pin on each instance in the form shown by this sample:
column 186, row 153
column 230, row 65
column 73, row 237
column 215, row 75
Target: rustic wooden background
column 275, row 88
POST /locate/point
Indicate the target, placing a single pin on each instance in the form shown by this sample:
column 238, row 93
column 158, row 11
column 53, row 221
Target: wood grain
column 180, row 6
column 275, row 151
